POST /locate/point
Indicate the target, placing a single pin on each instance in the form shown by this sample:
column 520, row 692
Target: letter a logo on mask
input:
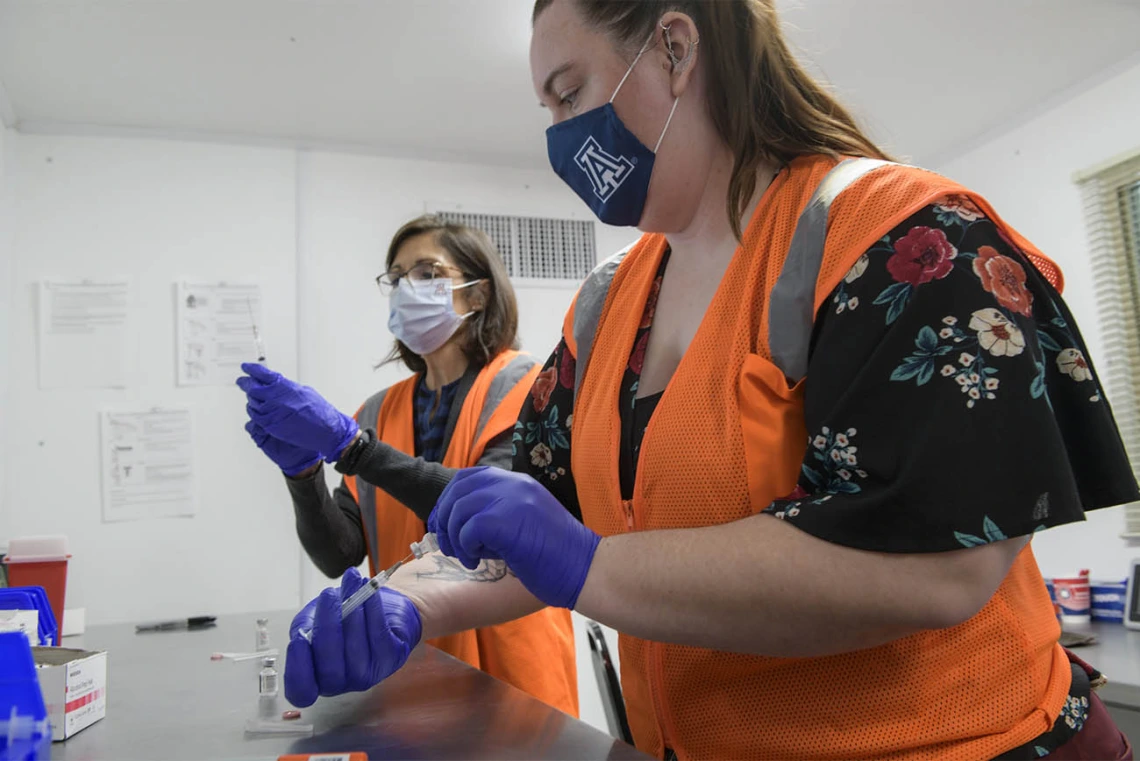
column 606, row 172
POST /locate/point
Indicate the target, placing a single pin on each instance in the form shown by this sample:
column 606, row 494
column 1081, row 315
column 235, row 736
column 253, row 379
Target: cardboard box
column 74, row 685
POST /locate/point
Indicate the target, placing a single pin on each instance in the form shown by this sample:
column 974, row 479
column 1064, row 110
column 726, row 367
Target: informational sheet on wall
column 84, row 333
column 148, row 464
column 218, row 328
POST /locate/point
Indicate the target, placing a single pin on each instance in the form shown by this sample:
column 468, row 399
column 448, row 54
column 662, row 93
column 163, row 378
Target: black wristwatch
column 355, row 452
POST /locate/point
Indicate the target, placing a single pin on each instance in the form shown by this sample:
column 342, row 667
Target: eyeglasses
column 390, row 280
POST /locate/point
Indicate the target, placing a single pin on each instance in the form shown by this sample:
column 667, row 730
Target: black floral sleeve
column 541, row 439
column 950, row 401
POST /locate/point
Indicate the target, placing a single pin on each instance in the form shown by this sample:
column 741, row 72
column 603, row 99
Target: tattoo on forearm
column 450, row 569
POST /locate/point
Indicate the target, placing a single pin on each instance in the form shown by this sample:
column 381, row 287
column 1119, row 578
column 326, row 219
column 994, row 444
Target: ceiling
column 449, row 79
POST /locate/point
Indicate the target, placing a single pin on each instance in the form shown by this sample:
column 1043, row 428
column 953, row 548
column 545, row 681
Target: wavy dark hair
column 493, row 329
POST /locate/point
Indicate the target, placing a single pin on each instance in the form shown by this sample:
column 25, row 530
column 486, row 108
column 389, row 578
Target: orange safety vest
column 736, row 400
column 534, row 653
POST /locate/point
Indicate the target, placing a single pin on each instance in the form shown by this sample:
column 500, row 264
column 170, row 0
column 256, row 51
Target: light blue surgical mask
column 422, row 313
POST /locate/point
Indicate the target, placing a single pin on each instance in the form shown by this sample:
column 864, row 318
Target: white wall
column 1027, row 174
column 158, row 211
column 6, row 223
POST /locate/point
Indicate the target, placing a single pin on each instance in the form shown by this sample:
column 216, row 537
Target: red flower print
column 637, row 359
column 798, row 493
column 650, row 304
column 1005, row 279
column 541, row 389
column 922, row 255
column 566, row 367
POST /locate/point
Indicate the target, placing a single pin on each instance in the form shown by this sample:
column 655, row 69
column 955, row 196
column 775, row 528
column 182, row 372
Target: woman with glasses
column 454, row 316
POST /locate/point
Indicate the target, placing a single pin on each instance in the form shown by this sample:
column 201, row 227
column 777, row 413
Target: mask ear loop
column 468, row 284
column 635, row 60
column 666, row 127
column 678, row 63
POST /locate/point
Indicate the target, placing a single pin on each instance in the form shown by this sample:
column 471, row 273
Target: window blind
column 1111, row 202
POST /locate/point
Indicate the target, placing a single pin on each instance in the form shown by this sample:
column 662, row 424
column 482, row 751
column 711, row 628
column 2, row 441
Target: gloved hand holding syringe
column 418, row 549
column 428, row 544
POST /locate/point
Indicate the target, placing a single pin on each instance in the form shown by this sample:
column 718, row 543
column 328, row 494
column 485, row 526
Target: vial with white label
column 262, row 642
column 267, row 688
column 267, row 678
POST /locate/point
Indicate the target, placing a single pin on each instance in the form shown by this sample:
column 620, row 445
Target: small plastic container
column 40, row 561
column 25, row 731
column 1108, row 599
column 1072, row 594
column 33, row 598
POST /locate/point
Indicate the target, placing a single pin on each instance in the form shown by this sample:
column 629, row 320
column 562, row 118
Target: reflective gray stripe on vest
column 365, row 493
column 588, row 310
column 791, row 305
column 501, row 385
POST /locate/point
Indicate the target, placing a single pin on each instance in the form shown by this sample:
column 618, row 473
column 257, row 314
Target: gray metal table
column 1117, row 655
column 168, row 700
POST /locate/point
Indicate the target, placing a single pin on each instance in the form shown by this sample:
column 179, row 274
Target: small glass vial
column 430, row 543
column 262, row 642
column 267, row 678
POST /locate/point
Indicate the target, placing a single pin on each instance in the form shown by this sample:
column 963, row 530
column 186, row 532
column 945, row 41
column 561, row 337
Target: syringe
column 361, row 595
column 428, row 544
column 257, row 342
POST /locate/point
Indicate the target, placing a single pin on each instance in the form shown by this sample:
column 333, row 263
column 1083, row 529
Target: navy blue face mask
column 603, row 162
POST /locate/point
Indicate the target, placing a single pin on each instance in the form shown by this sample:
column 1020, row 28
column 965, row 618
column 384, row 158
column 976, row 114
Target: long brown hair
column 765, row 106
column 493, row 329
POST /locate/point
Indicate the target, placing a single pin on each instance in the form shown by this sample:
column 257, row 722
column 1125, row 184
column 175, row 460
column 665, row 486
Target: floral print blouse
column 950, row 399
column 943, row 368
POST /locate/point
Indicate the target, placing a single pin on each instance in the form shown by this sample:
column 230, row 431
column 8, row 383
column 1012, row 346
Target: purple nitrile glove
column 351, row 655
column 493, row 514
column 292, row 460
column 295, row 414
